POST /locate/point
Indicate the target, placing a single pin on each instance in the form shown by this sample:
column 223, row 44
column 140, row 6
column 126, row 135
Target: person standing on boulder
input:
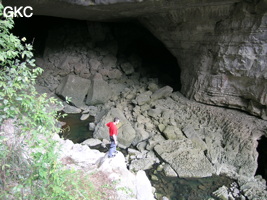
column 113, row 133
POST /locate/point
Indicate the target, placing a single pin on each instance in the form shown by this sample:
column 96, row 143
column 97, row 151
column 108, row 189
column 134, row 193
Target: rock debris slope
column 192, row 139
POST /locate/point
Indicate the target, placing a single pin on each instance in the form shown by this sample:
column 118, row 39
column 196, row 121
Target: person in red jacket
column 113, row 133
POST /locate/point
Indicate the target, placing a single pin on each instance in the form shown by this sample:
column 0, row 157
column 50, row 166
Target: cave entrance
column 157, row 61
column 132, row 39
column 262, row 158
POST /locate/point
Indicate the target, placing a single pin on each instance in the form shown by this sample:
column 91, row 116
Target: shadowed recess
column 132, row 38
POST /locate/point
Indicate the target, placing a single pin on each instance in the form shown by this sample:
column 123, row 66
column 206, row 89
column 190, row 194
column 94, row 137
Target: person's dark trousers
column 112, row 148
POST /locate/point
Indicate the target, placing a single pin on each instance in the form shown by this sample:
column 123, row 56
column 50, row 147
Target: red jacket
column 113, row 130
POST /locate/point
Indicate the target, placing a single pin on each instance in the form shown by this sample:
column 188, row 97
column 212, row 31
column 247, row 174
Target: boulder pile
column 158, row 125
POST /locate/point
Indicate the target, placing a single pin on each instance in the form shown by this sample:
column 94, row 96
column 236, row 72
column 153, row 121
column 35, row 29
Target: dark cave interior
column 131, row 36
column 262, row 158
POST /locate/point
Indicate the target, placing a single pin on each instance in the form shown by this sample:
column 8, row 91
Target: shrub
column 29, row 167
column 28, row 163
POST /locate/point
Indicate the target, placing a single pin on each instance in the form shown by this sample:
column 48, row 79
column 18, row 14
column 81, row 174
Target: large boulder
column 74, row 87
column 99, row 92
column 126, row 131
column 129, row 186
column 162, row 92
column 191, row 134
column 142, row 164
column 143, row 98
column 184, row 158
column 143, row 186
column 141, row 135
column 173, row 132
column 76, row 155
column 127, row 68
column 168, row 171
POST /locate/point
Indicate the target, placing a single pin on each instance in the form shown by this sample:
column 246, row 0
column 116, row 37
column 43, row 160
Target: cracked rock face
column 186, row 160
column 220, row 45
column 221, row 52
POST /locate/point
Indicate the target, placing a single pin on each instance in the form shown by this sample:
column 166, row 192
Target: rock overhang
column 109, row 10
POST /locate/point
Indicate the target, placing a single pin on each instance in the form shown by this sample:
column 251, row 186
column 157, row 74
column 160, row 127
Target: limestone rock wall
column 221, row 50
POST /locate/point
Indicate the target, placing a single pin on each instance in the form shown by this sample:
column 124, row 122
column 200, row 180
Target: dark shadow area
column 176, row 188
column 36, row 30
column 157, row 61
column 262, row 159
column 132, row 38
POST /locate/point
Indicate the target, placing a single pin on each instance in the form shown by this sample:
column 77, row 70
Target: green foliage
column 26, row 173
column 29, row 167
